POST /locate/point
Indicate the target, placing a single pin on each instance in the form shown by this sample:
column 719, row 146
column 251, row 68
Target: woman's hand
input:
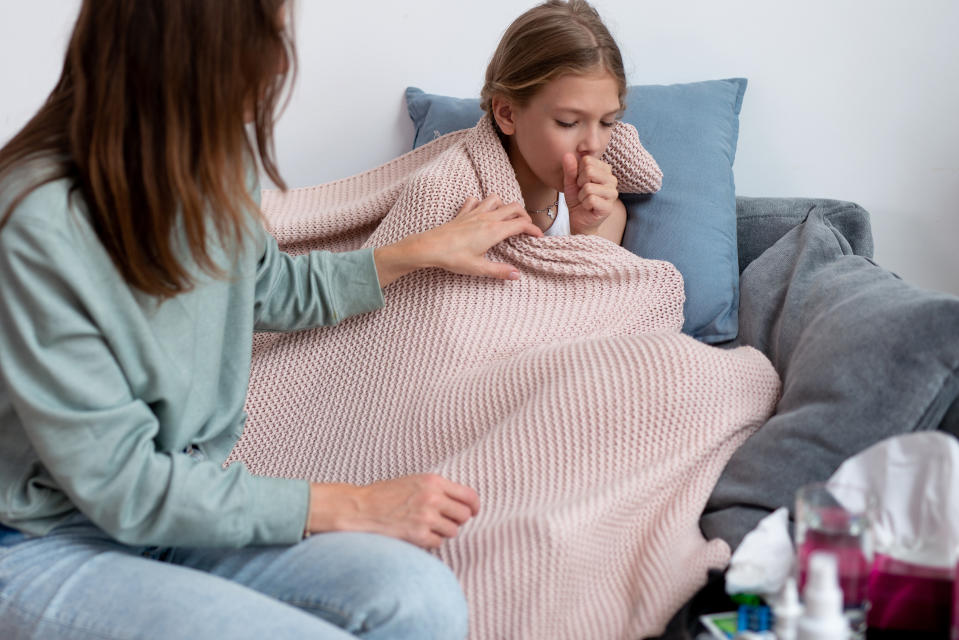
column 589, row 187
column 422, row 509
column 459, row 245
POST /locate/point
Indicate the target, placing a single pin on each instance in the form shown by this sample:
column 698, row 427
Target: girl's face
column 571, row 114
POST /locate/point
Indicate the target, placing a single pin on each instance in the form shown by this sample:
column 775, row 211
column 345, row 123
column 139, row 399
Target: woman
column 133, row 269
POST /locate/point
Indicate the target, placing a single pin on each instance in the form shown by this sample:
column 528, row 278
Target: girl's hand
column 589, row 187
column 459, row 245
column 423, row 509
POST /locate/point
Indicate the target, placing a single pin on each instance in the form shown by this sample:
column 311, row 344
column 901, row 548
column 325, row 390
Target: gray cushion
column 862, row 354
column 760, row 222
column 950, row 421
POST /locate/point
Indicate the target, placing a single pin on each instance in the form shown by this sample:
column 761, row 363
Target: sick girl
column 554, row 89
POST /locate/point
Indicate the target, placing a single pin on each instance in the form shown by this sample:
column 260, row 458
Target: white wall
column 848, row 99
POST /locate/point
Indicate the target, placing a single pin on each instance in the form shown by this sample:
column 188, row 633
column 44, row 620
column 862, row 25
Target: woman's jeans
column 78, row 583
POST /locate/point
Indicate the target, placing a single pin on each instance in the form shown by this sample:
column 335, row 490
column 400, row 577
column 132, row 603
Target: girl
column 554, row 88
column 133, row 271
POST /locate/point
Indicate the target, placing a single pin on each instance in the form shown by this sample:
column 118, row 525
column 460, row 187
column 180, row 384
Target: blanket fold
column 591, row 427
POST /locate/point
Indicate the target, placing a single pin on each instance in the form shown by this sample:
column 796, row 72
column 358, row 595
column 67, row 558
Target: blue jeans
column 78, row 583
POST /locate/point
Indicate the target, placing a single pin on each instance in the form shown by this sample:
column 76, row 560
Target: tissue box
column 909, row 597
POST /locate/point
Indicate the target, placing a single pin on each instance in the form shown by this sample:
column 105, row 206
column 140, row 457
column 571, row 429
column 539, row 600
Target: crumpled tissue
column 764, row 558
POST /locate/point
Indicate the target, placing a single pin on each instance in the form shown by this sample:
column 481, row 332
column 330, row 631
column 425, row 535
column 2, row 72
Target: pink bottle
column 955, row 604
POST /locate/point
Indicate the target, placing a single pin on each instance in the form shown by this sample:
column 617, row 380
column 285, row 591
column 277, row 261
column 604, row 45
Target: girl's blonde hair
column 550, row 40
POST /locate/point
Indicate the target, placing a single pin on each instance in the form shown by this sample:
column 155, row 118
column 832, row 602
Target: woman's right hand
column 459, row 245
column 423, row 509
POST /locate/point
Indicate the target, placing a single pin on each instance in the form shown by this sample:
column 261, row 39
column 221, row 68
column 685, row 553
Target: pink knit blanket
column 592, row 429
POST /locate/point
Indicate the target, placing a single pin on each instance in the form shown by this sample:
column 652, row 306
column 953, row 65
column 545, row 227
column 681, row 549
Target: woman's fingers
column 456, row 512
column 423, row 509
column 463, row 495
column 468, row 206
column 500, row 222
column 476, row 206
column 521, row 225
column 426, row 539
column 460, row 245
column 511, row 210
column 445, row 528
column 493, row 208
column 489, row 203
column 446, row 507
column 509, row 228
column 498, row 270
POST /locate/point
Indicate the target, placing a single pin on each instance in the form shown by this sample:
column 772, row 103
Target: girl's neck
column 536, row 195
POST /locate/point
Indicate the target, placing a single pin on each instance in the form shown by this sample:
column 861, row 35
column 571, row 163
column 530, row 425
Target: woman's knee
column 409, row 592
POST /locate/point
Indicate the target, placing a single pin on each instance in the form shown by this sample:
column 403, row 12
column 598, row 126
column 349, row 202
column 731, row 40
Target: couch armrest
column 760, row 222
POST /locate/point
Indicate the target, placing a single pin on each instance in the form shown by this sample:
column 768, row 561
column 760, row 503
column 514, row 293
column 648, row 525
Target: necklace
column 550, row 211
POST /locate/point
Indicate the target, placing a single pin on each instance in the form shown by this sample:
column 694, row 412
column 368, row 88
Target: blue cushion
column 434, row 115
column 691, row 130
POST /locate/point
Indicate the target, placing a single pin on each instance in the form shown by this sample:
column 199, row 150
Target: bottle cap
column 787, row 611
column 822, row 593
column 823, row 618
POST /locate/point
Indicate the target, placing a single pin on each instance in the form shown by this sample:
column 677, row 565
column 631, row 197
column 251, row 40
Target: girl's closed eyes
column 569, row 125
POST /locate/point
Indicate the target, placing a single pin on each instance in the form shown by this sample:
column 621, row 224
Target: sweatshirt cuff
column 356, row 273
column 280, row 509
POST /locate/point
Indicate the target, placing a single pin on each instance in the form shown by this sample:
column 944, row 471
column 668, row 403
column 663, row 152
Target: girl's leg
column 76, row 584
column 370, row 585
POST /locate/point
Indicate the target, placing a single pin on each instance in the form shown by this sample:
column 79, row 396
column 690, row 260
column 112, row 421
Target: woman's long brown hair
column 148, row 122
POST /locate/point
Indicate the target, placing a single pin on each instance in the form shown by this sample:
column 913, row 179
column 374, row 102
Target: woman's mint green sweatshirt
column 102, row 388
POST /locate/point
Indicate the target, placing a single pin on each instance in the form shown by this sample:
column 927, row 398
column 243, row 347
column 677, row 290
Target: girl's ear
column 503, row 114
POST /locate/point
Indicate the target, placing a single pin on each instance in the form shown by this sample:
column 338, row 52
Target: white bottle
column 822, row 617
column 787, row 612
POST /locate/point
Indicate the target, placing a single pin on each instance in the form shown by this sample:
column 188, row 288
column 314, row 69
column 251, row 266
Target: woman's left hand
column 459, row 245
column 589, row 187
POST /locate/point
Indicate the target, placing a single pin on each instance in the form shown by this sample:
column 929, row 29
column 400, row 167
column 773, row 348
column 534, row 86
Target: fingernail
column 514, row 275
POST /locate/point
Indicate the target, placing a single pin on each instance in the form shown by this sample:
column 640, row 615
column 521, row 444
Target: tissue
column 764, row 558
column 916, row 480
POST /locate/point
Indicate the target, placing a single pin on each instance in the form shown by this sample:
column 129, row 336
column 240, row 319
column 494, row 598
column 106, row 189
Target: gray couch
column 863, row 356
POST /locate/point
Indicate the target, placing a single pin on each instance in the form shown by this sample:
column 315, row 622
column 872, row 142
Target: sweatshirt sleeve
column 95, row 438
column 314, row 289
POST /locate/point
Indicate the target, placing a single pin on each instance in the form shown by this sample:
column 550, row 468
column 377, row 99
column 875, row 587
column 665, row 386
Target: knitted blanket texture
column 591, row 427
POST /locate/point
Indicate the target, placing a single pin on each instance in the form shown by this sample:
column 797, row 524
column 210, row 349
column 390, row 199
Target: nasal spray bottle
column 787, row 612
column 822, row 617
